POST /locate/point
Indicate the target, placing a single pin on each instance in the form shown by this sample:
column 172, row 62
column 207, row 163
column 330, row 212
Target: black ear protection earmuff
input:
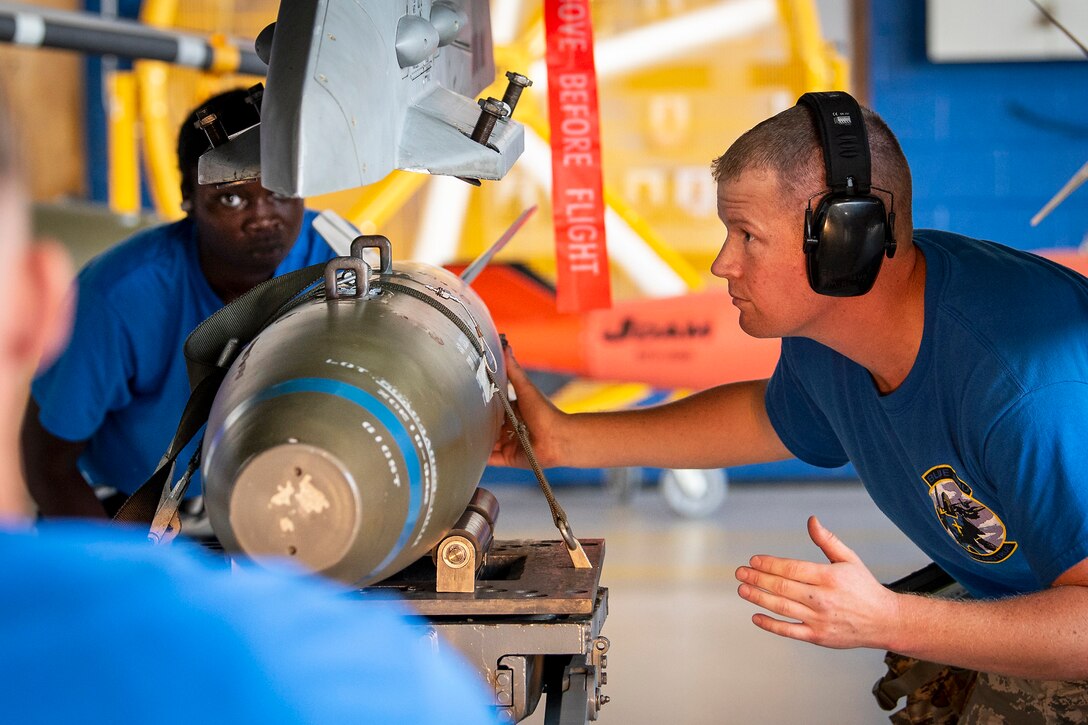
column 849, row 232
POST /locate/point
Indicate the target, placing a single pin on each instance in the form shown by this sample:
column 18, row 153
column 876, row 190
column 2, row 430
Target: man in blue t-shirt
column 98, row 626
column 952, row 372
column 106, row 410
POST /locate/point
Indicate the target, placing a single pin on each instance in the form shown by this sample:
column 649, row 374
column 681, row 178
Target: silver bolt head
column 518, row 79
column 494, row 106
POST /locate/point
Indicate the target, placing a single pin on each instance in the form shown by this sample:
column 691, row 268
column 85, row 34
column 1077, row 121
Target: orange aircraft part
column 1068, row 257
column 692, row 341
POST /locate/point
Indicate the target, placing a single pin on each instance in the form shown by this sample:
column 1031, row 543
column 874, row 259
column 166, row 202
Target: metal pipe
column 87, row 33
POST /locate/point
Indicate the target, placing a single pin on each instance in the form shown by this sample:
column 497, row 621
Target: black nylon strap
column 216, row 341
column 140, row 506
column 209, row 351
column 846, row 144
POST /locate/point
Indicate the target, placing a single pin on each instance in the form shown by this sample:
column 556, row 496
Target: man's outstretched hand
column 839, row 604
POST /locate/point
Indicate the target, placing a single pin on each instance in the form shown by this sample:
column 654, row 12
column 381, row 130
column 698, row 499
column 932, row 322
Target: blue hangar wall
column 989, row 143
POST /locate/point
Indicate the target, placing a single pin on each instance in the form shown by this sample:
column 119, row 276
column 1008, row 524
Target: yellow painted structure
column 660, row 126
column 124, row 173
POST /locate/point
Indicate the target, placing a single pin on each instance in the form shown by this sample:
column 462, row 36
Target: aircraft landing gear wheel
column 694, row 492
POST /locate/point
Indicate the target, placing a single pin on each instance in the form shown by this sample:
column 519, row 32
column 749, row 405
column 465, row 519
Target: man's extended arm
column 52, row 471
column 723, row 426
column 840, row 604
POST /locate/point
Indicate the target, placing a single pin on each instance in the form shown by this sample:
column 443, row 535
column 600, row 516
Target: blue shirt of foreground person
column 98, row 626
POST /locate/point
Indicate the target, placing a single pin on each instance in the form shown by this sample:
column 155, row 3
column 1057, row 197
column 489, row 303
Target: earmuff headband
column 845, row 142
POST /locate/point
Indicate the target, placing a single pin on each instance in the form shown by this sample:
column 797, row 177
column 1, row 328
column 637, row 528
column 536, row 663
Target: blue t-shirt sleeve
column 796, row 416
column 91, row 377
column 1035, row 456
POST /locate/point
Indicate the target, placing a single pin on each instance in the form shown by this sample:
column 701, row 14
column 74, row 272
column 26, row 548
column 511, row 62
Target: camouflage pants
column 942, row 695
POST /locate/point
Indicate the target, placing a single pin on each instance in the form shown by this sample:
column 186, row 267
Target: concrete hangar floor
column 683, row 648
